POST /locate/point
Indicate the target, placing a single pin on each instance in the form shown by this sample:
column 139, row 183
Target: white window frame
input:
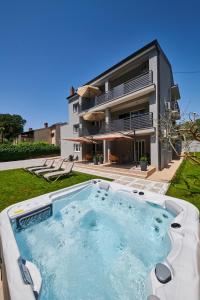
column 77, row 148
column 75, row 107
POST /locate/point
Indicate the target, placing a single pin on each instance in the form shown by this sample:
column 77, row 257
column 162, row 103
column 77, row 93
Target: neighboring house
column 135, row 93
column 48, row 134
column 192, row 146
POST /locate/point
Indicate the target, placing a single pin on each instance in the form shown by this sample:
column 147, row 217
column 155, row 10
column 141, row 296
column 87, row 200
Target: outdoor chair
column 48, row 163
column 56, row 167
column 88, row 157
column 56, row 175
column 113, row 158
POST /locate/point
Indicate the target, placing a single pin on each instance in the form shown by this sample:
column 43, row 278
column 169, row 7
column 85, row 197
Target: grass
column 186, row 183
column 18, row 185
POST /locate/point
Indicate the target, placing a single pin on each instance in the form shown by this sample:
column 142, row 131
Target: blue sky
column 47, row 46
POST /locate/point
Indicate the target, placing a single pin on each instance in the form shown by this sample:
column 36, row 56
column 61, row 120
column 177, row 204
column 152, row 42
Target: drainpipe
column 80, row 131
column 106, row 144
column 158, row 107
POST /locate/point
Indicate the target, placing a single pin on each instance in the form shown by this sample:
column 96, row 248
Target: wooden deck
column 123, row 170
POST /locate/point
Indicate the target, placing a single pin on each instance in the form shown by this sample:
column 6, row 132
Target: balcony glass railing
column 143, row 121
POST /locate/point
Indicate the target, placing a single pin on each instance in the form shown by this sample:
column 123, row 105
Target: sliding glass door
column 139, row 149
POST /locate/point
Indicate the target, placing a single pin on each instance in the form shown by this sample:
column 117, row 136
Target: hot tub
column 100, row 240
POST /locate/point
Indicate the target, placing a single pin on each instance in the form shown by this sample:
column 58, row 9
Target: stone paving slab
column 143, row 184
column 167, row 173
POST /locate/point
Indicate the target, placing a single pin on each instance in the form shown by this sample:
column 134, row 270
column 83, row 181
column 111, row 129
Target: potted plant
column 101, row 158
column 95, row 160
column 143, row 163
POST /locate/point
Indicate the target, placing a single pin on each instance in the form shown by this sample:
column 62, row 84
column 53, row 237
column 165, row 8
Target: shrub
column 10, row 152
column 143, row 158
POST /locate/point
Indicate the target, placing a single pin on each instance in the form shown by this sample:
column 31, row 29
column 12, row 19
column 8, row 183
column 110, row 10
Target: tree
column 11, row 126
column 198, row 124
column 1, row 133
column 187, row 130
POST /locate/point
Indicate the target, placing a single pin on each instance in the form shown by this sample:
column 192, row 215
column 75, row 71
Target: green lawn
column 186, row 184
column 18, row 185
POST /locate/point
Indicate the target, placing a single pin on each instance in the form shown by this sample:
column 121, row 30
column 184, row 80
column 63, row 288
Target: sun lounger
column 56, row 175
column 57, row 167
column 45, row 165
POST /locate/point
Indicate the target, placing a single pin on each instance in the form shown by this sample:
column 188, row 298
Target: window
column 75, row 107
column 76, row 128
column 77, row 147
column 124, row 116
column 138, row 112
column 96, row 123
column 132, row 114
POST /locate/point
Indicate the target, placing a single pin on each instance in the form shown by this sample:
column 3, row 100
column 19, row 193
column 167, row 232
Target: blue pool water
column 98, row 245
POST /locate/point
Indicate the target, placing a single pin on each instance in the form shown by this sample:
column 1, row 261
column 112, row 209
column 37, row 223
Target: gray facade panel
column 166, row 81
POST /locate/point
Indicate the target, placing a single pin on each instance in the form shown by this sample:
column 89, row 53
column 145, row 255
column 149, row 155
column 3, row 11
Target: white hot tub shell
column 182, row 261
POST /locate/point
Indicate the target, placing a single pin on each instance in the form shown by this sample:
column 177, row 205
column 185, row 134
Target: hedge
column 9, row 152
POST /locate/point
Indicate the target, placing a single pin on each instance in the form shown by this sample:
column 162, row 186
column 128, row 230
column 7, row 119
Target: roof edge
column 121, row 62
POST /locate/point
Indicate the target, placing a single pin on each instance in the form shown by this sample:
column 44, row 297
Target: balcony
column 139, row 122
column 175, row 110
column 128, row 87
column 125, row 88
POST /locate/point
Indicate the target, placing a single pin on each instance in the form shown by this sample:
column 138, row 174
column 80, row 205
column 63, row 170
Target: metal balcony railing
column 125, row 88
column 175, row 110
column 143, row 121
column 175, row 106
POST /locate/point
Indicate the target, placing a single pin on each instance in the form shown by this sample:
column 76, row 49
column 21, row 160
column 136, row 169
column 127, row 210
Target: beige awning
column 101, row 137
column 112, row 137
column 81, row 140
column 94, row 116
column 88, row 91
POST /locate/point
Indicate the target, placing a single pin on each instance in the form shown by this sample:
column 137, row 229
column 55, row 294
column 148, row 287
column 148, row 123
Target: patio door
column 98, row 148
column 139, row 149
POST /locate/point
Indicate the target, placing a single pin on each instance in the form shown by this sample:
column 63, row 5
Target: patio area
column 127, row 174
column 129, row 169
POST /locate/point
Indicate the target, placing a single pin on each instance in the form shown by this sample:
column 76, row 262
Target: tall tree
column 187, row 131
column 11, row 126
